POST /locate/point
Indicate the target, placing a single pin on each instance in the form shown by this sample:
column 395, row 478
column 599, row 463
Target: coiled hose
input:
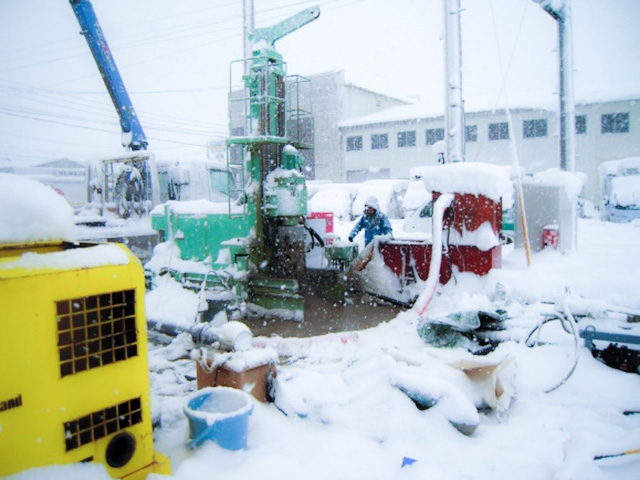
column 570, row 326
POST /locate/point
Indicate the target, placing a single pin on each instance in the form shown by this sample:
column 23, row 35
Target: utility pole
column 454, row 125
column 561, row 13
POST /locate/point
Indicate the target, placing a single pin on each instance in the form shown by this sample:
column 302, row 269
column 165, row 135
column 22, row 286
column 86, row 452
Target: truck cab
column 195, row 180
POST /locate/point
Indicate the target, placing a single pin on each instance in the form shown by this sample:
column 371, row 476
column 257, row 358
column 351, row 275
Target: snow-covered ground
column 341, row 411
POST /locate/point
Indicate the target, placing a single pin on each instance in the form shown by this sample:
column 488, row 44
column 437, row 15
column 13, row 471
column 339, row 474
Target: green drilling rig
column 248, row 253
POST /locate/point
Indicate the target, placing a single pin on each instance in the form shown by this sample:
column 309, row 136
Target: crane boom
column 133, row 136
column 285, row 27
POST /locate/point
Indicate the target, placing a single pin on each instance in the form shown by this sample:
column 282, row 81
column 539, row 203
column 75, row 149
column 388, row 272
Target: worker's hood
column 372, row 202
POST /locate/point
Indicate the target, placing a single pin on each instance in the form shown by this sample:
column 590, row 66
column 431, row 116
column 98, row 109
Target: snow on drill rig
column 253, row 245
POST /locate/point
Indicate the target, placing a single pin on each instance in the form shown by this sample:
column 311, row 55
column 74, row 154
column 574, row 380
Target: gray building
column 404, row 137
column 314, row 106
column 358, row 134
column 333, row 101
column 66, row 176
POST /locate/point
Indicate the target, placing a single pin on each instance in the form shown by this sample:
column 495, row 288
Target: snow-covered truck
column 620, row 189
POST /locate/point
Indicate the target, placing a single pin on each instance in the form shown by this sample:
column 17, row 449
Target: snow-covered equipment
column 232, row 336
column 427, row 392
column 478, row 331
column 74, row 346
column 123, row 187
column 253, row 244
column 458, row 385
column 341, row 254
column 220, row 414
column 549, row 197
column 252, row 370
column 130, row 181
column 132, row 184
column 616, row 349
column 620, row 189
column 466, row 231
column 610, row 340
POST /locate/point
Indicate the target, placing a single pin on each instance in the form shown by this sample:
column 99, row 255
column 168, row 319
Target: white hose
column 426, row 296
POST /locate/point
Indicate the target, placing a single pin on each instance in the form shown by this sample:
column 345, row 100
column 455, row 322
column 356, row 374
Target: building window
column 534, row 128
column 379, row 141
column 407, row 139
column 354, row 144
column 499, row 131
column 471, row 133
column 581, row 124
column 435, row 135
column 615, row 123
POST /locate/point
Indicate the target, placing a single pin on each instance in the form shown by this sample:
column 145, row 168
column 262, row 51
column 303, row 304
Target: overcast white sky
column 174, row 57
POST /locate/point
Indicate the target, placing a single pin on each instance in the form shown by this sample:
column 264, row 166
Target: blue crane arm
column 133, row 136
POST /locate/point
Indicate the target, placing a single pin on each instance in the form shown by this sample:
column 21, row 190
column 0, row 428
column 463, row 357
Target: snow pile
column 167, row 255
column 32, row 212
column 572, row 183
column 80, row 471
column 415, row 197
column 473, row 178
column 626, row 191
column 171, row 303
column 337, row 201
column 200, row 207
column 71, row 259
column 482, row 237
column 388, row 192
column 238, row 361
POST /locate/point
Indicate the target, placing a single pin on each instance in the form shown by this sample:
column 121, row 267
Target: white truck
column 620, row 189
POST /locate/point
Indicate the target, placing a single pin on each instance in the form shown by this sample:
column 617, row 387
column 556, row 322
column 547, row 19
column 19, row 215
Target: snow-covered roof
column 378, row 93
column 619, row 167
column 62, row 163
column 425, row 110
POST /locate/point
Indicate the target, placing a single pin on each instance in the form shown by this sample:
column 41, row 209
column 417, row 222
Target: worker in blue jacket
column 373, row 221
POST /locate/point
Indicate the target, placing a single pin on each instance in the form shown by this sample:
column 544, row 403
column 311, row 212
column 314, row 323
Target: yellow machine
column 74, row 380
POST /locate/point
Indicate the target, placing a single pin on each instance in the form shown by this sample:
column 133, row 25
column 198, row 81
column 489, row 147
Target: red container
column 328, row 221
column 402, row 256
column 471, row 259
column 550, row 236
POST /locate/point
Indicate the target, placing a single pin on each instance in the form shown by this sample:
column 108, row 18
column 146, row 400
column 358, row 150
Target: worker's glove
column 351, row 239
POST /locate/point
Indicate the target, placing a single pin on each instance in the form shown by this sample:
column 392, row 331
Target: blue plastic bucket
column 220, row 414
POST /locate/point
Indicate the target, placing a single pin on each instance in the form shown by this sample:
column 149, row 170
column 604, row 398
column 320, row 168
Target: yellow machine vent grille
column 96, row 330
column 101, row 423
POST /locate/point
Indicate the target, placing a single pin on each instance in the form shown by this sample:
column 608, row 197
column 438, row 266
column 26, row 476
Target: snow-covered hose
column 233, row 335
column 426, row 296
column 569, row 324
